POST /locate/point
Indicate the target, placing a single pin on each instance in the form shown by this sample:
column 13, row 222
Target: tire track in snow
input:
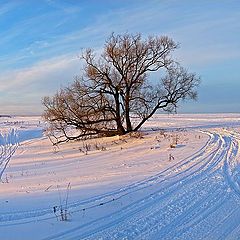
column 9, row 144
column 212, row 168
column 27, row 215
column 192, row 181
column 181, row 202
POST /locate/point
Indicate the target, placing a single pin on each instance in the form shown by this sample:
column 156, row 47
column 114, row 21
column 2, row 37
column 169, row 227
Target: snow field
column 129, row 188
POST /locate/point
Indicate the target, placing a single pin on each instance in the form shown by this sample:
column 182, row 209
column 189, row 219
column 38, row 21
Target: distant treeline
column 6, row 116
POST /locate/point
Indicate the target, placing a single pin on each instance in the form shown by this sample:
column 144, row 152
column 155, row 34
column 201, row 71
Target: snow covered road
column 198, row 198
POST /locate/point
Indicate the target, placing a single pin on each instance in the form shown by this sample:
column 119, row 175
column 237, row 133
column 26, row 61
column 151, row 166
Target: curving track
column 8, row 146
column 198, row 198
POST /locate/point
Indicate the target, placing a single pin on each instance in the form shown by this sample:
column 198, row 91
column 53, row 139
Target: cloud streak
column 26, row 87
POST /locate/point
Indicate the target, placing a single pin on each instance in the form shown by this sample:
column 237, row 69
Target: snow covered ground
column 179, row 179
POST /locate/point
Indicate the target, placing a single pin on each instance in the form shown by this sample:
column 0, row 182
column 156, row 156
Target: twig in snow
column 46, row 190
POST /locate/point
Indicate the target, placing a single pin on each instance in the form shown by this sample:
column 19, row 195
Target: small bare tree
column 115, row 88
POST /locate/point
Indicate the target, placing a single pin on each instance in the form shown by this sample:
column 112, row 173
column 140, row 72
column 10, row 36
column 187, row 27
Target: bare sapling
column 61, row 212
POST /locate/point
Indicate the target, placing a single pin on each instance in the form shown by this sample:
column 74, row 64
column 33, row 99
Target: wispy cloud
column 26, row 87
column 7, row 7
column 152, row 17
column 66, row 7
column 40, row 73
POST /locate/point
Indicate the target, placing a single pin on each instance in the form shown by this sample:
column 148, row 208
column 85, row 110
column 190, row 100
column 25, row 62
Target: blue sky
column 40, row 41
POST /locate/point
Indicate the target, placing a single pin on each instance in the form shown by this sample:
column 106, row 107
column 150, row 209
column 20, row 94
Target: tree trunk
column 120, row 127
column 127, row 112
column 128, row 120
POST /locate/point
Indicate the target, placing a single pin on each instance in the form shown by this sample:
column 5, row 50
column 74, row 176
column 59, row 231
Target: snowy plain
column 178, row 179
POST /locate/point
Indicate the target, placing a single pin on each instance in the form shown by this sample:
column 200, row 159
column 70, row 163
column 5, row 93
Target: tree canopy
column 114, row 95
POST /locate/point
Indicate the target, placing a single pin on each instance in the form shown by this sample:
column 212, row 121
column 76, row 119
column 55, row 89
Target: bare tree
column 115, row 88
